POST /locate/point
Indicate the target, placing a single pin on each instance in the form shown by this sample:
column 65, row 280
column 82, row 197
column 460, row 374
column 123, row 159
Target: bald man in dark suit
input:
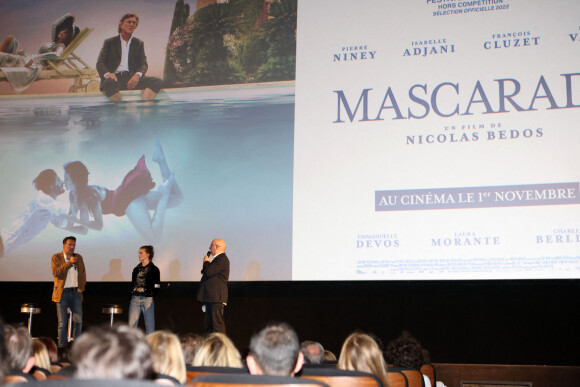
column 213, row 287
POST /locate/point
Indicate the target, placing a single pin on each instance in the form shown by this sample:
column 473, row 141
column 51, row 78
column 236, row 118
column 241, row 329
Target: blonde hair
column 167, row 355
column 361, row 353
column 50, row 347
column 217, row 351
column 329, row 356
column 41, row 358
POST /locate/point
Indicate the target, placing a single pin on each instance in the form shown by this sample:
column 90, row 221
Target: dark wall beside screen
column 491, row 322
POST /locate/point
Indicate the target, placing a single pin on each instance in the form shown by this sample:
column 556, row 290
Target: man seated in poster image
column 122, row 63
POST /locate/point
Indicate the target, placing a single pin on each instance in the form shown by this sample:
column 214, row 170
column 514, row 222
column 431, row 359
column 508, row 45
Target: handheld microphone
column 208, row 254
column 74, row 264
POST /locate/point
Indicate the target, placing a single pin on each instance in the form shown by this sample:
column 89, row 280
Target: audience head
column 64, row 353
column 329, row 356
column 405, row 351
column 377, row 340
column 51, row 348
column 190, row 344
column 19, row 348
column 217, row 351
column 426, row 357
column 118, row 352
column 167, row 355
column 360, row 352
column 275, row 351
column 313, row 352
column 41, row 358
column 3, row 354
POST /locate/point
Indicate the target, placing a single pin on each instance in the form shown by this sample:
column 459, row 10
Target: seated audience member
column 168, row 362
column 52, row 350
column 64, row 360
column 190, row 343
column 3, row 354
column 20, row 357
column 41, row 368
column 217, row 351
column 275, row 351
column 360, row 352
column 64, row 354
column 377, row 340
column 329, row 357
column 313, row 352
column 427, row 360
column 406, row 352
column 117, row 352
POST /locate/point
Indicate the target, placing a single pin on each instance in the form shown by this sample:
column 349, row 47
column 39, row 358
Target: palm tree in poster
column 280, row 34
column 212, row 47
column 236, row 42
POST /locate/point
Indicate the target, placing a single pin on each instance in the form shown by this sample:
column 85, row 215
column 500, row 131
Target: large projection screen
column 410, row 140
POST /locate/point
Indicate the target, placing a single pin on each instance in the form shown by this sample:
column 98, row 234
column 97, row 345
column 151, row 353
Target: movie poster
column 211, row 156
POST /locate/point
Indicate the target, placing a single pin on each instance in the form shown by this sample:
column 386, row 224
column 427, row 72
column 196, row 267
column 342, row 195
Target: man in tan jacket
column 70, row 278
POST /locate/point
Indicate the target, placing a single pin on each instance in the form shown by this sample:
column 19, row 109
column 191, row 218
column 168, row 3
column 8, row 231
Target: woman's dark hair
column 78, row 172
column 50, row 347
column 3, row 354
column 405, row 351
column 65, row 23
column 149, row 250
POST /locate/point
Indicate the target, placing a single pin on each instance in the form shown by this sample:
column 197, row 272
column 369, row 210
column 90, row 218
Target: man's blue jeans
column 70, row 299
column 147, row 306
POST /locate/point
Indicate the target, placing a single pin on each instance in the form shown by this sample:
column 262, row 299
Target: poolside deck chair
column 69, row 65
